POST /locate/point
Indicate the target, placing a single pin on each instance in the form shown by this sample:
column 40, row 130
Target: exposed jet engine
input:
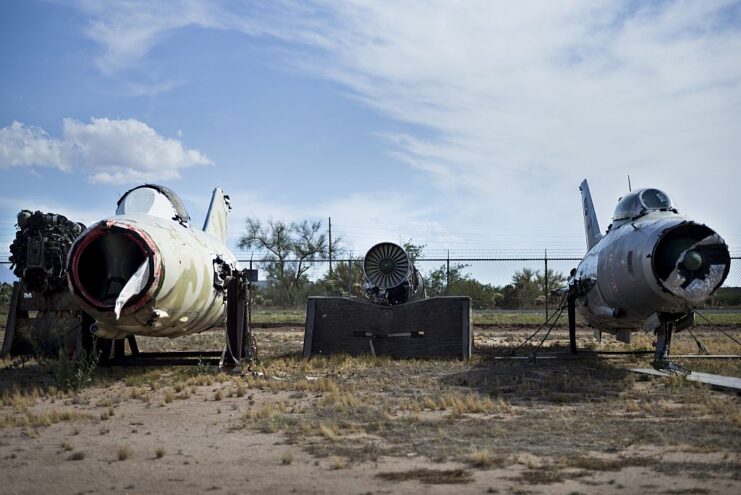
column 649, row 271
column 390, row 276
column 38, row 259
column 40, row 248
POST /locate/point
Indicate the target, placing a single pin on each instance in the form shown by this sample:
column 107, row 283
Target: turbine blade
column 134, row 286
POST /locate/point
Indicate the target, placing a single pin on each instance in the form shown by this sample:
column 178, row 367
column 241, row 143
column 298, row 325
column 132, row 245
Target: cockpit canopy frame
column 638, row 203
column 155, row 200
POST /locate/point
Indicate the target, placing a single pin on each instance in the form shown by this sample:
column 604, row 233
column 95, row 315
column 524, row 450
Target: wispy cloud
column 110, row 151
column 509, row 97
column 361, row 219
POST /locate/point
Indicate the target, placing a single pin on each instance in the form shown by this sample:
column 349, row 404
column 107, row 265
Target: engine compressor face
column 386, row 265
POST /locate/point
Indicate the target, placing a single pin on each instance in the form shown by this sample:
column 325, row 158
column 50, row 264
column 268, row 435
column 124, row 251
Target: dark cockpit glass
column 639, row 202
column 653, row 199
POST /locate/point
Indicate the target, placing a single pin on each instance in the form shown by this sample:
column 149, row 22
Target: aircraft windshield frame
column 640, row 202
column 151, row 199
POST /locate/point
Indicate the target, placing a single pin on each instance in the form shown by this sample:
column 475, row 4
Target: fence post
column 349, row 274
column 545, row 260
column 249, row 295
column 330, row 249
column 447, row 274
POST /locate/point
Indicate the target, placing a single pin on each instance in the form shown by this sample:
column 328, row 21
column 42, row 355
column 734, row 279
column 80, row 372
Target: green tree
column 346, row 280
column 527, row 288
column 6, row 292
column 555, row 280
column 289, row 250
column 456, row 282
column 414, row 251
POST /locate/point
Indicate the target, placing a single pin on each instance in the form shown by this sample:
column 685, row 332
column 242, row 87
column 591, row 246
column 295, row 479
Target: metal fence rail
column 484, row 279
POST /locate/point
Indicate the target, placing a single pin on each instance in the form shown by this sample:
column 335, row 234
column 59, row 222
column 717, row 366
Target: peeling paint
column 699, row 289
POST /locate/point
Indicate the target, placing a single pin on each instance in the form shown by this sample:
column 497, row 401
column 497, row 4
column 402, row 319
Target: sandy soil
column 371, row 425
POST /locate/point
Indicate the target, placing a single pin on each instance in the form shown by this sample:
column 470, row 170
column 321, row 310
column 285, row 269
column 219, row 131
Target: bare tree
column 289, row 250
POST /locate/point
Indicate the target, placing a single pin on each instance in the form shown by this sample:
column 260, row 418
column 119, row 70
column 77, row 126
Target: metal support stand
column 571, row 308
column 12, row 322
column 663, row 343
column 239, row 342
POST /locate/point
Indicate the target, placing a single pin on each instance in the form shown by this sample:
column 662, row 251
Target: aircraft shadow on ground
column 560, row 380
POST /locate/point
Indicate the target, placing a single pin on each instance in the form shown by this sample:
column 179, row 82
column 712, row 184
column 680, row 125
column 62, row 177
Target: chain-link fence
column 506, row 283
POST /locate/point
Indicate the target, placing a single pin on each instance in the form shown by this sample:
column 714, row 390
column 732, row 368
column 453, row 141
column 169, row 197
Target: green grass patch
column 486, row 317
column 294, row 315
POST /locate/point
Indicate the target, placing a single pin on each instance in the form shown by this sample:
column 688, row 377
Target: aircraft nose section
column 691, row 261
column 112, row 266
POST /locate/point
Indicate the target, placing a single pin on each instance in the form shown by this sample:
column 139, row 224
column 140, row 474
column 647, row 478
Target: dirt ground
column 374, row 425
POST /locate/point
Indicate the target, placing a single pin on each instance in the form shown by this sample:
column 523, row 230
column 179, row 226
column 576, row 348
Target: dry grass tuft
column 337, row 462
column 340, row 401
column 138, row 393
column 265, row 412
column 329, row 431
column 20, row 400
column 26, row 418
column 460, row 404
column 485, row 459
column 123, row 453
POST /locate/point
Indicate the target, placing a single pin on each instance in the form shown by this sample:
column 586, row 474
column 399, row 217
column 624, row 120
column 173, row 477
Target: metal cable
column 718, row 328
column 700, row 346
column 555, row 314
column 542, row 341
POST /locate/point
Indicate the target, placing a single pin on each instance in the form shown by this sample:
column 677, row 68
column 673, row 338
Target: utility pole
column 330, row 248
column 447, row 274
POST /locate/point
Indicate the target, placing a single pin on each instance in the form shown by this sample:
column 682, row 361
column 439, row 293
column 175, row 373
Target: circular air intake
column 386, row 265
column 101, row 263
column 675, row 250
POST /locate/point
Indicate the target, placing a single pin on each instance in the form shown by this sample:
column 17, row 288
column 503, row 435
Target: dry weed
column 329, row 431
column 123, row 453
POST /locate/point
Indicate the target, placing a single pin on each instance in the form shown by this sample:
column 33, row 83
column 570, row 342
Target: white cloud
column 28, row 146
column 110, row 151
column 517, row 101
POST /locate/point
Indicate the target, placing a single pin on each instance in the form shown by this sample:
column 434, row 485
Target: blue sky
column 462, row 126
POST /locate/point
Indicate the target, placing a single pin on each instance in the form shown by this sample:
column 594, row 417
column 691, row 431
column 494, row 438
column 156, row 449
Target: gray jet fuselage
column 652, row 266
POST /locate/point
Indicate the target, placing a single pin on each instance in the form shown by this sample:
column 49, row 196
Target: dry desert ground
column 375, row 425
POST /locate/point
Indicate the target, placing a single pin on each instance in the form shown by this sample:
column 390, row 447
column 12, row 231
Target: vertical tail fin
column 591, row 226
column 216, row 218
